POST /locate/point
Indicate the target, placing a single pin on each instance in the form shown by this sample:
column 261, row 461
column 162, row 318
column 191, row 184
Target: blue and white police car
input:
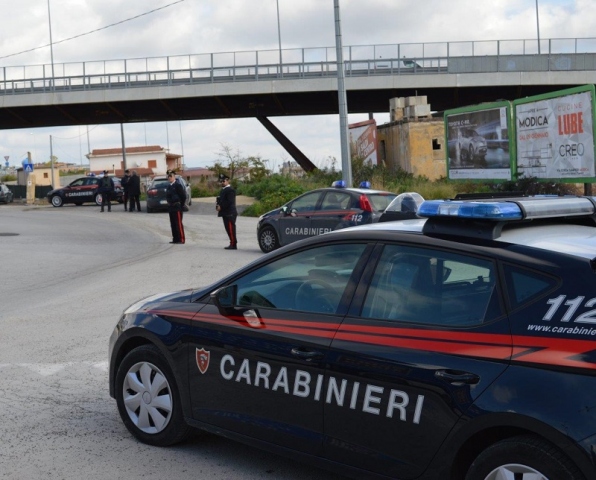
column 321, row 211
column 459, row 345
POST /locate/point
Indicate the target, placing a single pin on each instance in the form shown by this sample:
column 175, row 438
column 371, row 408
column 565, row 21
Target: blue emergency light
column 525, row 208
column 339, row 184
column 365, row 184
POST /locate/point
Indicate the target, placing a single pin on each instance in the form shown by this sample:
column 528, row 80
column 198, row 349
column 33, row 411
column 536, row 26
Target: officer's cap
column 223, row 177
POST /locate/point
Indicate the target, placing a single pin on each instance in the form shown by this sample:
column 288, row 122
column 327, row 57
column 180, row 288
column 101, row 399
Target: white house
column 148, row 161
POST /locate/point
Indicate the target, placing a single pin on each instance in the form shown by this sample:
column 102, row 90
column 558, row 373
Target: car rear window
column 380, row 201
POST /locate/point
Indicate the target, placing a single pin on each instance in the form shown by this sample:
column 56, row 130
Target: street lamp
column 279, row 35
column 538, row 27
column 51, row 43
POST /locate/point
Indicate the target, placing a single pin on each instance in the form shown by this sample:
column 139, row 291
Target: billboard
column 555, row 135
column 363, row 141
column 478, row 142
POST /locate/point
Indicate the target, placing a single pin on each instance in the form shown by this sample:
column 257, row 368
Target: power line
column 93, row 31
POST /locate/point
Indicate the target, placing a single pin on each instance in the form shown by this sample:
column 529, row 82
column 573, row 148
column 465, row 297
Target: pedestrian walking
column 176, row 197
column 134, row 192
column 226, row 209
column 124, row 183
column 106, row 188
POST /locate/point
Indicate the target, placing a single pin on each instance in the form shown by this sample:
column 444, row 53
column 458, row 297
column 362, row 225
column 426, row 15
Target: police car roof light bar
column 526, row 208
column 339, row 184
column 364, row 184
column 486, row 219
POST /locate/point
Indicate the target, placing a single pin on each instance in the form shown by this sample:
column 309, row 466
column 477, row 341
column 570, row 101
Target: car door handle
column 306, row 354
column 457, row 376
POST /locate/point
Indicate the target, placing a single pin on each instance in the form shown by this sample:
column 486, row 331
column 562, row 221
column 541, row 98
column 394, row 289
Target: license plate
column 163, row 202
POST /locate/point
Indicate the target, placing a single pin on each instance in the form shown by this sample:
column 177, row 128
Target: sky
column 91, row 30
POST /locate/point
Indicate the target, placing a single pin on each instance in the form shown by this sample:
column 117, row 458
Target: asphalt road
column 67, row 274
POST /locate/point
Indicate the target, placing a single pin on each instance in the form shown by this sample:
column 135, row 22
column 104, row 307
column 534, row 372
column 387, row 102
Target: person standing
column 134, row 192
column 226, row 209
column 176, row 197
column 106, row 188
column 124, row 183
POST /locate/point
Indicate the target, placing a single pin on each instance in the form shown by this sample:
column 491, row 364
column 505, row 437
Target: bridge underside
column 130, row 110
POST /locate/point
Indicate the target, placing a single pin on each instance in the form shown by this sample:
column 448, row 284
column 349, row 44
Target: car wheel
column 268, row 240
column 524, row 457
column 98, row 199
column 148, row 398
column 464, row 155
column 471, row 153
column 57, row 201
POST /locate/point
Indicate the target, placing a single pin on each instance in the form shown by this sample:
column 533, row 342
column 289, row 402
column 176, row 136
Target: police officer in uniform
column 124, row 183
column 106, row 187
column 226, row 209
column 176, row 197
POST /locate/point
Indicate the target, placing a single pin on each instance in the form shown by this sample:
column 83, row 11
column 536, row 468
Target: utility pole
column 123, row 147
column 346, row 165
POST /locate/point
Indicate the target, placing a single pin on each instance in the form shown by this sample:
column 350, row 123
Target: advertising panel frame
column 537, row 139
column 487, row 127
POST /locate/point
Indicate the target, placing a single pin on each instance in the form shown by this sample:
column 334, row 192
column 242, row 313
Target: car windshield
column 160, row 184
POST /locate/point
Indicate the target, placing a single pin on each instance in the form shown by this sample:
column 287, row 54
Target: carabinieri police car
column 320, row 211
column 460, row 345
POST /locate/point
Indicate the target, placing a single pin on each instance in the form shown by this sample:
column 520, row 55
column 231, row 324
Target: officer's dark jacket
column 106, row 184
column 227, row 202
column 175, row 195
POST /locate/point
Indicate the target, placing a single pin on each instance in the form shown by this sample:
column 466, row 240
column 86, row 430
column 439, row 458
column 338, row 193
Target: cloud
column 114, row 29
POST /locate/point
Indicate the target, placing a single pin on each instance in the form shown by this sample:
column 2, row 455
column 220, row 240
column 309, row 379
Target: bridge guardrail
column 367, row 60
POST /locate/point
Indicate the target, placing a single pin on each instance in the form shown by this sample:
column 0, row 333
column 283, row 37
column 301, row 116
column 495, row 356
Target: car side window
column 306, row 202
column 336, row 201
column 78, row 183
column 311, row 280
column 432, row 287
column 524, row 285
column 91, row 181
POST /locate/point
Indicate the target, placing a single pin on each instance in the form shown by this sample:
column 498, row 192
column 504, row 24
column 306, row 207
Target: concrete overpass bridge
column 256, row 84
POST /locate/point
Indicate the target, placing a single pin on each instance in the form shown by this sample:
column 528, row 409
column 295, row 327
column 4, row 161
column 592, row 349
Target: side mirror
column 225, row 298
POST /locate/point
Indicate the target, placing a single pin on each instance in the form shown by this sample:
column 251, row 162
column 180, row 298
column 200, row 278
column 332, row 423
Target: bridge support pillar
column 296, row 154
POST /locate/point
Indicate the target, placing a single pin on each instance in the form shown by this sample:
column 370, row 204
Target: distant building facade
column 147, row 161
column 413, row 140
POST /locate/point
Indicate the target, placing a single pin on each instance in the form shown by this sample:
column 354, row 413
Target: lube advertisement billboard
column 555, row 135
column 478, row 142
column 549, row 137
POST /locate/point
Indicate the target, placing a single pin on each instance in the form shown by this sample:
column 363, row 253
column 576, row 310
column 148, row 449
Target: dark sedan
column 320, row 211
column 83, row 190
column 156, row 193
column 456, row 346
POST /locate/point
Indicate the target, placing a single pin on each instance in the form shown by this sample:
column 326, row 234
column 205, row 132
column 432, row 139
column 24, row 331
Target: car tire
column 148, row 398
column 268, row 240
column 57, row 201
column 521, row 456
column 464, row 155
column 98, row 199
column 471, row 153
